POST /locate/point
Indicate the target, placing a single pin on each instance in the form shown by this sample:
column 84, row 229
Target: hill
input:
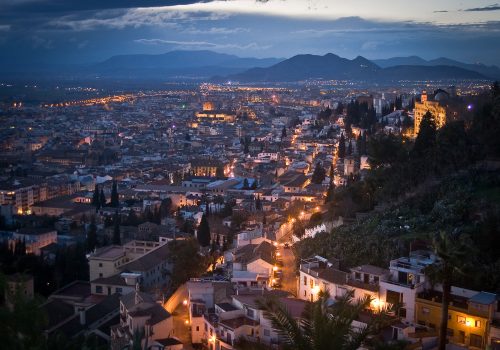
column 333, row 67
column 487, row 71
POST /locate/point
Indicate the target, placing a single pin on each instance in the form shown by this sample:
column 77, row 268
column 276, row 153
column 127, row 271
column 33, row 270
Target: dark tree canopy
column 204, row 232
column 115, row 200
column 319, row 174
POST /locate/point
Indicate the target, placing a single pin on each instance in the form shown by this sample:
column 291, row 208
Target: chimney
column 82, row 316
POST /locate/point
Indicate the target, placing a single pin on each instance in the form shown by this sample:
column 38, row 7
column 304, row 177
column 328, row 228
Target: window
column 305, row 293
column 375, row 279
column 449, row 332
column 402, row 312
column 476, row 340
column 477, row 323
column 425, row 310
column 357, row 276
column 250, row 313
column 100, row 264
column 98, row 289
column 119, row 290
column 305, row 280
column 267, row 333
column 100, row 275
column 197, row 328
column 461, row 320
column 311, row 282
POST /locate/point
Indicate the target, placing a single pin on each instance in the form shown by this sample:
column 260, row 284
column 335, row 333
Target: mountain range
column 206, row 65
column 487, row 71
column 333, row 67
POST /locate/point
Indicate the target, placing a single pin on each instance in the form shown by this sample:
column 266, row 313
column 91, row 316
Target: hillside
column 333, row 67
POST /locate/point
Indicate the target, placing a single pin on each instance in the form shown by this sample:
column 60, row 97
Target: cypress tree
column 115, row 200
column 92, row 236
column 341, row 150
column 116, row 229
column 96, row 202
column 102, row 199
column 203, row 234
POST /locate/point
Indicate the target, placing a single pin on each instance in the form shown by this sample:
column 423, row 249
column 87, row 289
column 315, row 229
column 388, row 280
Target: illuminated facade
column 470, row 316
column 435, row 107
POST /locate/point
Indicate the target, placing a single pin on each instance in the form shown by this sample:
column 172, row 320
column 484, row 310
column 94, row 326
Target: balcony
column 371, row 286
column 456, row 302
column 410, row 285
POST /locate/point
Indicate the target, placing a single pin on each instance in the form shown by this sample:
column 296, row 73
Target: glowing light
column 315, row 290
column 278, row 254
column 468, row 323
column 275, row 268
column 469, row 107
column 212, row 339
column 184, row 302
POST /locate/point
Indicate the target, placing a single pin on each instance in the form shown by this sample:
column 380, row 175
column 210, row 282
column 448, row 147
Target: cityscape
column 249, row 175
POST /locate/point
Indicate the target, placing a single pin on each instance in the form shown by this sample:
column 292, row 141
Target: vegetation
column 323, row 325
column 441, row 182
column 203, row 232
column 186, row 260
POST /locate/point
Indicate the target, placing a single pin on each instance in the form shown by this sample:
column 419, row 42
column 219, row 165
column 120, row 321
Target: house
column 35, row 238
column 141, row 314
column 253, row 264
column 406, row 279
column 473, row 317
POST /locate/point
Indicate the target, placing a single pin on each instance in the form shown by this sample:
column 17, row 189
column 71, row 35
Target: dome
column 441, row 95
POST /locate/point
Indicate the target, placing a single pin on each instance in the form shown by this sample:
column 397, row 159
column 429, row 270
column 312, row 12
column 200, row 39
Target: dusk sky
column 79, row 31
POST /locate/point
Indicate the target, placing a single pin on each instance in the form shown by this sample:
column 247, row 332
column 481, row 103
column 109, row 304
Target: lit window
column 461, row 320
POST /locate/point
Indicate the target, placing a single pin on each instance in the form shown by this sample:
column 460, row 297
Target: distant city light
column 469, row 107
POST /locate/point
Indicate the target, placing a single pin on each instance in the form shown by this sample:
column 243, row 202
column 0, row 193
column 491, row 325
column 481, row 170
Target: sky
column 85, row 31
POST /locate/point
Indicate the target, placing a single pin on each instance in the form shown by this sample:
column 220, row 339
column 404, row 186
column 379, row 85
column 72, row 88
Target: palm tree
column 323, row 325
column 450, row 255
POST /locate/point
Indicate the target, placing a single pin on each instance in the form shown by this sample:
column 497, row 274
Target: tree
column 341, row 150
column 349, row 148
column 203, row 233
column 165, row 207
column 115, row 199
column 330, row 193
column 426, row 138
column 92, row 235
column 187, row 262
column 96, row 201
column 245, row 184
column 323, row 325
column 116, row 229
column 451, row 255
column 258, row 203
column 319, row 174
column 102, row 198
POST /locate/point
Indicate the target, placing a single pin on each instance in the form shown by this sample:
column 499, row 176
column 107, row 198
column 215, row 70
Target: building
column 140, row 314
column 435, row 104
column 405, row 281
column 473, row 317
column 18, row 285
column 35, row 238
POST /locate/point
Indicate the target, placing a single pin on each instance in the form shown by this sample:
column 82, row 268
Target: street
column 289, row 280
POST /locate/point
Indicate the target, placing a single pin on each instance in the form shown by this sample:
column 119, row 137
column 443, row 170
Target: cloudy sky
column 80, row 31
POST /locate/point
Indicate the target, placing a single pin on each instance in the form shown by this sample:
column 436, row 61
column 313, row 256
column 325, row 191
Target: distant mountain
column 177, row 63
column 330, row 66
column 488, row 71
column 302, row 67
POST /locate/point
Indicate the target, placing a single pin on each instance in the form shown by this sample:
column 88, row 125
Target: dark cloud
column 494, row 7
column 441, row 11
column 48, row 6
